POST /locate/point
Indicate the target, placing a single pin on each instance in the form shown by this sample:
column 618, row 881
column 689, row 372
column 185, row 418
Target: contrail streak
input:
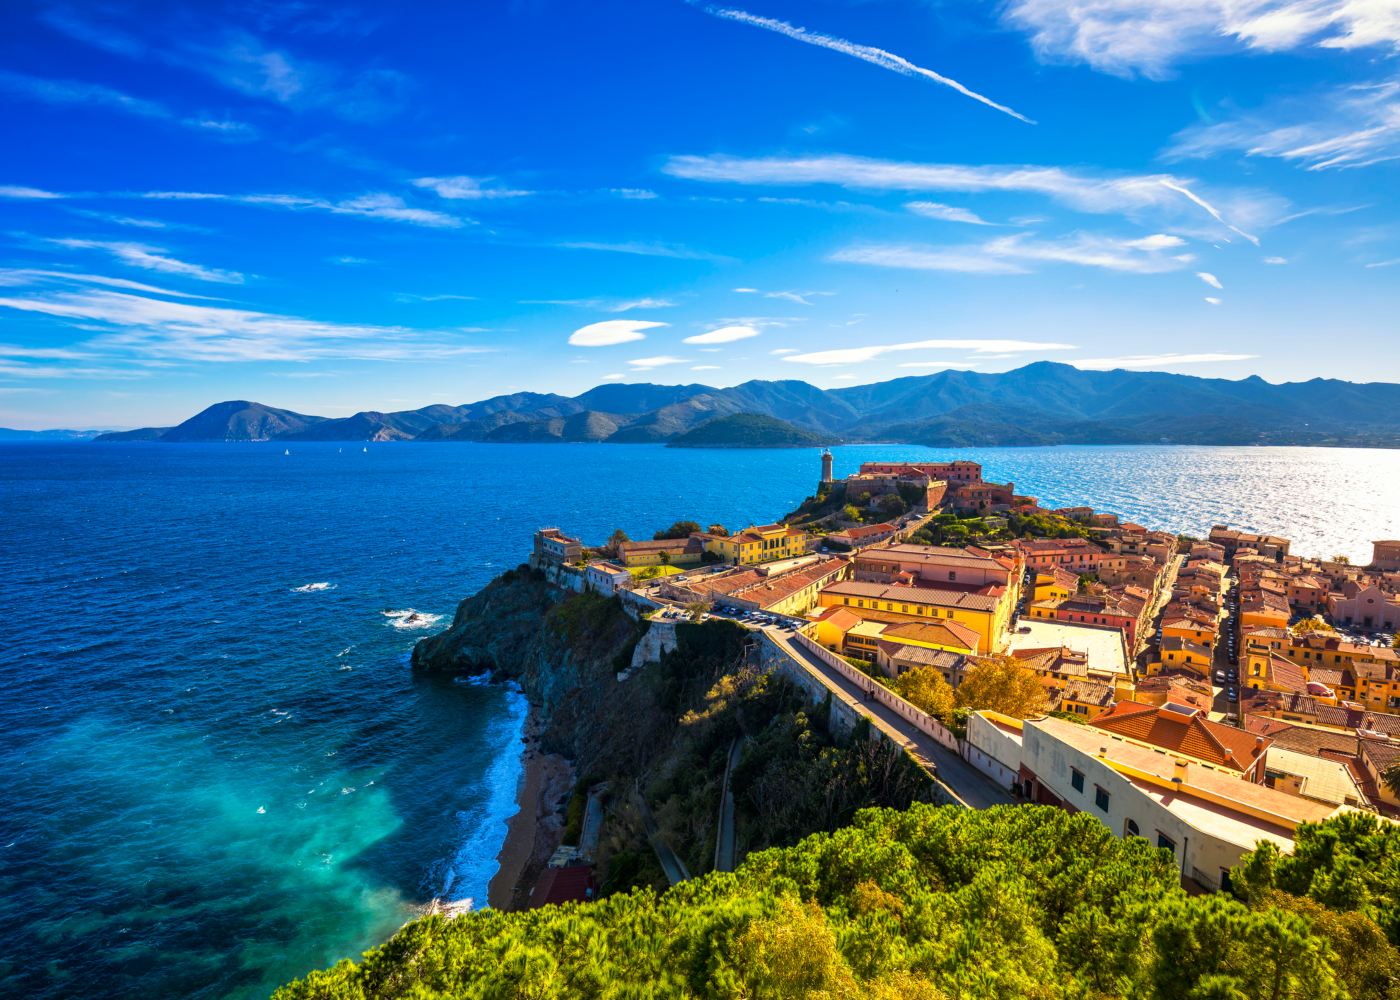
column 879, row 57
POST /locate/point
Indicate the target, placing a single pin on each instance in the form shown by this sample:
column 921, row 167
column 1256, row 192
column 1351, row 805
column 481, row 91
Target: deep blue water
column 214, row 781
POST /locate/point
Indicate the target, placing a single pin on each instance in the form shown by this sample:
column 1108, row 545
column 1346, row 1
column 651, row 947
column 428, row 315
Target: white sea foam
column 410, row 619
column 311, row 588
column 262, row 810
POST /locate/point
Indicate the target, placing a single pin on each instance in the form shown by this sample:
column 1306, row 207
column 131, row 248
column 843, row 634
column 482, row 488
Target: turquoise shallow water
column 215, row 780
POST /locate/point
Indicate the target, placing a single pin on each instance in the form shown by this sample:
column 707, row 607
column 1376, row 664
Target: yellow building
column 1355, row 671
column 1198, row 631
column 1054, row 585
column 760, row 544
column 662, row 552
column 1180, row 653
column 985, row 614
column 1087, row 699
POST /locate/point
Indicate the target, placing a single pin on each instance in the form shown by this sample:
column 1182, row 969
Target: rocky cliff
column 666, row 727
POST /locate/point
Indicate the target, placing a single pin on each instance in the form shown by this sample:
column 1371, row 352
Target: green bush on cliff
column 1016, row 901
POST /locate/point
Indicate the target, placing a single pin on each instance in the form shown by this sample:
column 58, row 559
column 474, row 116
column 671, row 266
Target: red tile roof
column 1177, row 732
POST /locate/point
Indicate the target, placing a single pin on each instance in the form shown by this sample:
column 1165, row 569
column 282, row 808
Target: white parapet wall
column 917, row 717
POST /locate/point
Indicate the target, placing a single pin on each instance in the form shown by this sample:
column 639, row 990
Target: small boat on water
column 287, row 451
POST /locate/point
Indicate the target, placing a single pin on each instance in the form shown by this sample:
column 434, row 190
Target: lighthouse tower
column 826, row 465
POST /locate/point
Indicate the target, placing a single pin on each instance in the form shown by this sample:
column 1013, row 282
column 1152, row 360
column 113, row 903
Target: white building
column 1207, row 816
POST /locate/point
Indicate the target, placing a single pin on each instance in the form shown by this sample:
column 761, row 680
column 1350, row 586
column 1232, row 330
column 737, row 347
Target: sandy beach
column 536, row 829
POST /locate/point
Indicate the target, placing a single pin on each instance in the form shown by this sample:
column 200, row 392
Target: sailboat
column 287, row 451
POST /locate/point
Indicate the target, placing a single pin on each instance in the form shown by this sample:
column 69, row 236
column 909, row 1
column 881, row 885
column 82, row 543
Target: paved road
column 592, row 822
column 672, row 865
column 965, row 783
column 724, row 837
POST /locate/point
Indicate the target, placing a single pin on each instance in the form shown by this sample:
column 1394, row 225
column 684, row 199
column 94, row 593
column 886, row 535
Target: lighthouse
column 826, row 465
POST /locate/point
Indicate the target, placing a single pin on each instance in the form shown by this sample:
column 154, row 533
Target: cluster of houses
column 1125, row 629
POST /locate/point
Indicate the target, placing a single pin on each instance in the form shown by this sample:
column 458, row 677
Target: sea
column 217, row 771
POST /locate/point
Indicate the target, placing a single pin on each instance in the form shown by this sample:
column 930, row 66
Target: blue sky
column 332, row 208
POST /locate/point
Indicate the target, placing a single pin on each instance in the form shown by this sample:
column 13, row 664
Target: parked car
column 1232, row 695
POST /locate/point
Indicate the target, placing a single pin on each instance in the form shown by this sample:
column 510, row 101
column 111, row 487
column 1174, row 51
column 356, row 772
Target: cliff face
column 490, row 628
column 667, row 729
column 563, row 650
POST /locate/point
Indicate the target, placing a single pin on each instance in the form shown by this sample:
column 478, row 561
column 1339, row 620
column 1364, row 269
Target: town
column 1203, row 693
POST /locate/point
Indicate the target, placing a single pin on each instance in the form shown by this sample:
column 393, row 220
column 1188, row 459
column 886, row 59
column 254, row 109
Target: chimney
column 1179, row 772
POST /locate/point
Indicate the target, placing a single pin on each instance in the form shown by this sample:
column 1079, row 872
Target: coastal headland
column 989, row 671
column 901, row 603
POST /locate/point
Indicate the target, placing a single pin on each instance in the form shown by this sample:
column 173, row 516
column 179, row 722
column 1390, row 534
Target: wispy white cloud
column 704, row 368
column 1209, row 279
column 634, row 194
column 1156, row 360
column 722, row 335
column 612, row 331
column 1350, row 127
column 1157, row 241
column 641, row 249
column 463, row 188
column 940, row 365
column 1385, row 263
column 656, row 361
column 13, row 277
column 946, row 213
column 1015, row 255
column 1129, row 194
column 868, row 352
column 1214, row 212
column 1213, row 300
column 138, row 329
column 154, row 259
column 614, row 377
column 441, row 297
column 238, row 60
column 868, row 53
column 605, row 305
column 134, row 221
column 79, row 93
column 376, row 205
column 784, row 350
column 1275, row 260
column 798, row 298
column 1150, row 37
column 19, row 192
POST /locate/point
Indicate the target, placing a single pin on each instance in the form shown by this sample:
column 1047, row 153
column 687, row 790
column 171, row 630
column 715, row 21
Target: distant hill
column 139, row 434
column 1042, row 403
column 240, row 420
column 12, row 434
column 748, row 430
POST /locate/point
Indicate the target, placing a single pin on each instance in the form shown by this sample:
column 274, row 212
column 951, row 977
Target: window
column 1164, row 841
column 1130, row 829
column 1100, row 799
column 1076, row 779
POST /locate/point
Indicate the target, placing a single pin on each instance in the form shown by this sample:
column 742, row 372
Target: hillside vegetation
column 667, row 729
column 1041, row 403
column 748, row 430
column 1016, row 901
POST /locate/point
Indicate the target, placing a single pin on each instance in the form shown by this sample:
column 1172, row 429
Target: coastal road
column 724, row 836
column 671, row 864
column 965, row 783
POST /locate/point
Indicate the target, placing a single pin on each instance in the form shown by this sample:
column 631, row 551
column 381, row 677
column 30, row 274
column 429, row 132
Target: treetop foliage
column 1014, row 901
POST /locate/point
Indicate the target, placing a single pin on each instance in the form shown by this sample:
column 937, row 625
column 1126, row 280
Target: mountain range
column 1041, row 403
